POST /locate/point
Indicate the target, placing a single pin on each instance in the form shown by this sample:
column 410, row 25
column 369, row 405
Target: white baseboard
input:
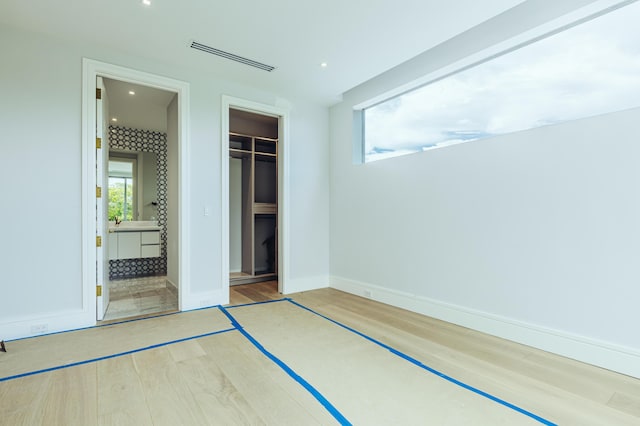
column 172, row 284
column 30, row 326
column 204, row 299
column 295, row 285
column 607, row 355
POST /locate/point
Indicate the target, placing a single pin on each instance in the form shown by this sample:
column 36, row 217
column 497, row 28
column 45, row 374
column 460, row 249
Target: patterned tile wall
column 128, row 139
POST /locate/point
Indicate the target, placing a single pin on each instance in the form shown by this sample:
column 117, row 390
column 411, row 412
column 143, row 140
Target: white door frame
column 283, row 185
column 90, row 70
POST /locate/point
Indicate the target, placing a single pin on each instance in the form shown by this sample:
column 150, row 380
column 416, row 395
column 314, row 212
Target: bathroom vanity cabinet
column 131, row 244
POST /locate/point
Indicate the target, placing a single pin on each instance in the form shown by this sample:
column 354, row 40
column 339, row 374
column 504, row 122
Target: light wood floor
column 250, row 293
column 220, row 379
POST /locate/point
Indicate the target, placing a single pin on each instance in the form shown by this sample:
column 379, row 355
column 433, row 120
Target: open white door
column 102, row 199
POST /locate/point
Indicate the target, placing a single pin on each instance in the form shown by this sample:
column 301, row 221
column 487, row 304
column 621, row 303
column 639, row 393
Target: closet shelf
column 244, row 135
column 266, row 154
column 239, row 153
column 265, row 208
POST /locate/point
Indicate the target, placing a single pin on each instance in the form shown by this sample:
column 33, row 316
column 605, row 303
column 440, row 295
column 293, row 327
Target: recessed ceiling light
column 323, row 64
column 114, row 119
column 131, row 92
column 146, row 2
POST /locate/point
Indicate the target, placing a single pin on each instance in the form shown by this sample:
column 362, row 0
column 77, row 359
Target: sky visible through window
column 590, row 69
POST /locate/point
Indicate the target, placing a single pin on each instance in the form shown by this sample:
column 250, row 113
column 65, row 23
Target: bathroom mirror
column 133, row 185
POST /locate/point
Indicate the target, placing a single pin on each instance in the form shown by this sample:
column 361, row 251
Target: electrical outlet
column 39, row 328
column 367, row 293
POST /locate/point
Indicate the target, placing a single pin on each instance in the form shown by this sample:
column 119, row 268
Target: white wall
column 235, row 215
column 40, row 177
column 309, row 203
column 531, row 236
column 41, row 154
column 148, row 161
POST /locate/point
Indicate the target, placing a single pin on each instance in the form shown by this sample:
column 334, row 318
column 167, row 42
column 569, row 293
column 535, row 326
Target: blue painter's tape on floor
column 429, row 369
column 88, row 361
column 313, row 391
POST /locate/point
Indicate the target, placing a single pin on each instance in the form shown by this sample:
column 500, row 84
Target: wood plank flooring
column 367, row 383
column 51, row 351
column 221, row 379
column 556, row 387
column 250, row 293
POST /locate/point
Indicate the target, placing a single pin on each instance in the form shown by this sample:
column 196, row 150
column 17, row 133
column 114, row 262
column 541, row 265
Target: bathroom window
column 586, row 70
column 121, row 189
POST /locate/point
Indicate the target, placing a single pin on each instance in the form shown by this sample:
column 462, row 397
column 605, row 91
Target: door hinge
column 98, row 241
column 99, row 291
column 98, row 143
column 98, row 93
column 98, row 192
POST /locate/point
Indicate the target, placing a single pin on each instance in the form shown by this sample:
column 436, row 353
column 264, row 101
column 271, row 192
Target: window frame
column 563, row 23
column 128, row 158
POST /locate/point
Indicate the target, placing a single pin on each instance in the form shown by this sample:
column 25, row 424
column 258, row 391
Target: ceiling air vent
column 231, row 56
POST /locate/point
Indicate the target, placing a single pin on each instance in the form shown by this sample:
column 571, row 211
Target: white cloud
column 588, row 70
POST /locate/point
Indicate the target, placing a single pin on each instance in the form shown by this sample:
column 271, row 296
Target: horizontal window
column 586, row 70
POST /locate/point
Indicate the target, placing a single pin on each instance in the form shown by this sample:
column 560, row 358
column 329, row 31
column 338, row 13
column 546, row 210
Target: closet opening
column 253, row 197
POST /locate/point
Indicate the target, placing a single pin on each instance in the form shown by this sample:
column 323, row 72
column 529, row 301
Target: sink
column 134, row 225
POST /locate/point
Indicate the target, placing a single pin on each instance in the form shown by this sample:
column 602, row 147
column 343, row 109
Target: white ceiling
column 358, row 39
column 142, row 95
column 145, row 109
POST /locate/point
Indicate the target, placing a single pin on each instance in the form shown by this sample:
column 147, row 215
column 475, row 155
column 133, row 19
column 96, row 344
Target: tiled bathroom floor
column 140, row 296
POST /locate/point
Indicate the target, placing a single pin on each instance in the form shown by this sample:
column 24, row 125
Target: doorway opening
column 138, row 201
column 254, row 196
column 134, row 151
